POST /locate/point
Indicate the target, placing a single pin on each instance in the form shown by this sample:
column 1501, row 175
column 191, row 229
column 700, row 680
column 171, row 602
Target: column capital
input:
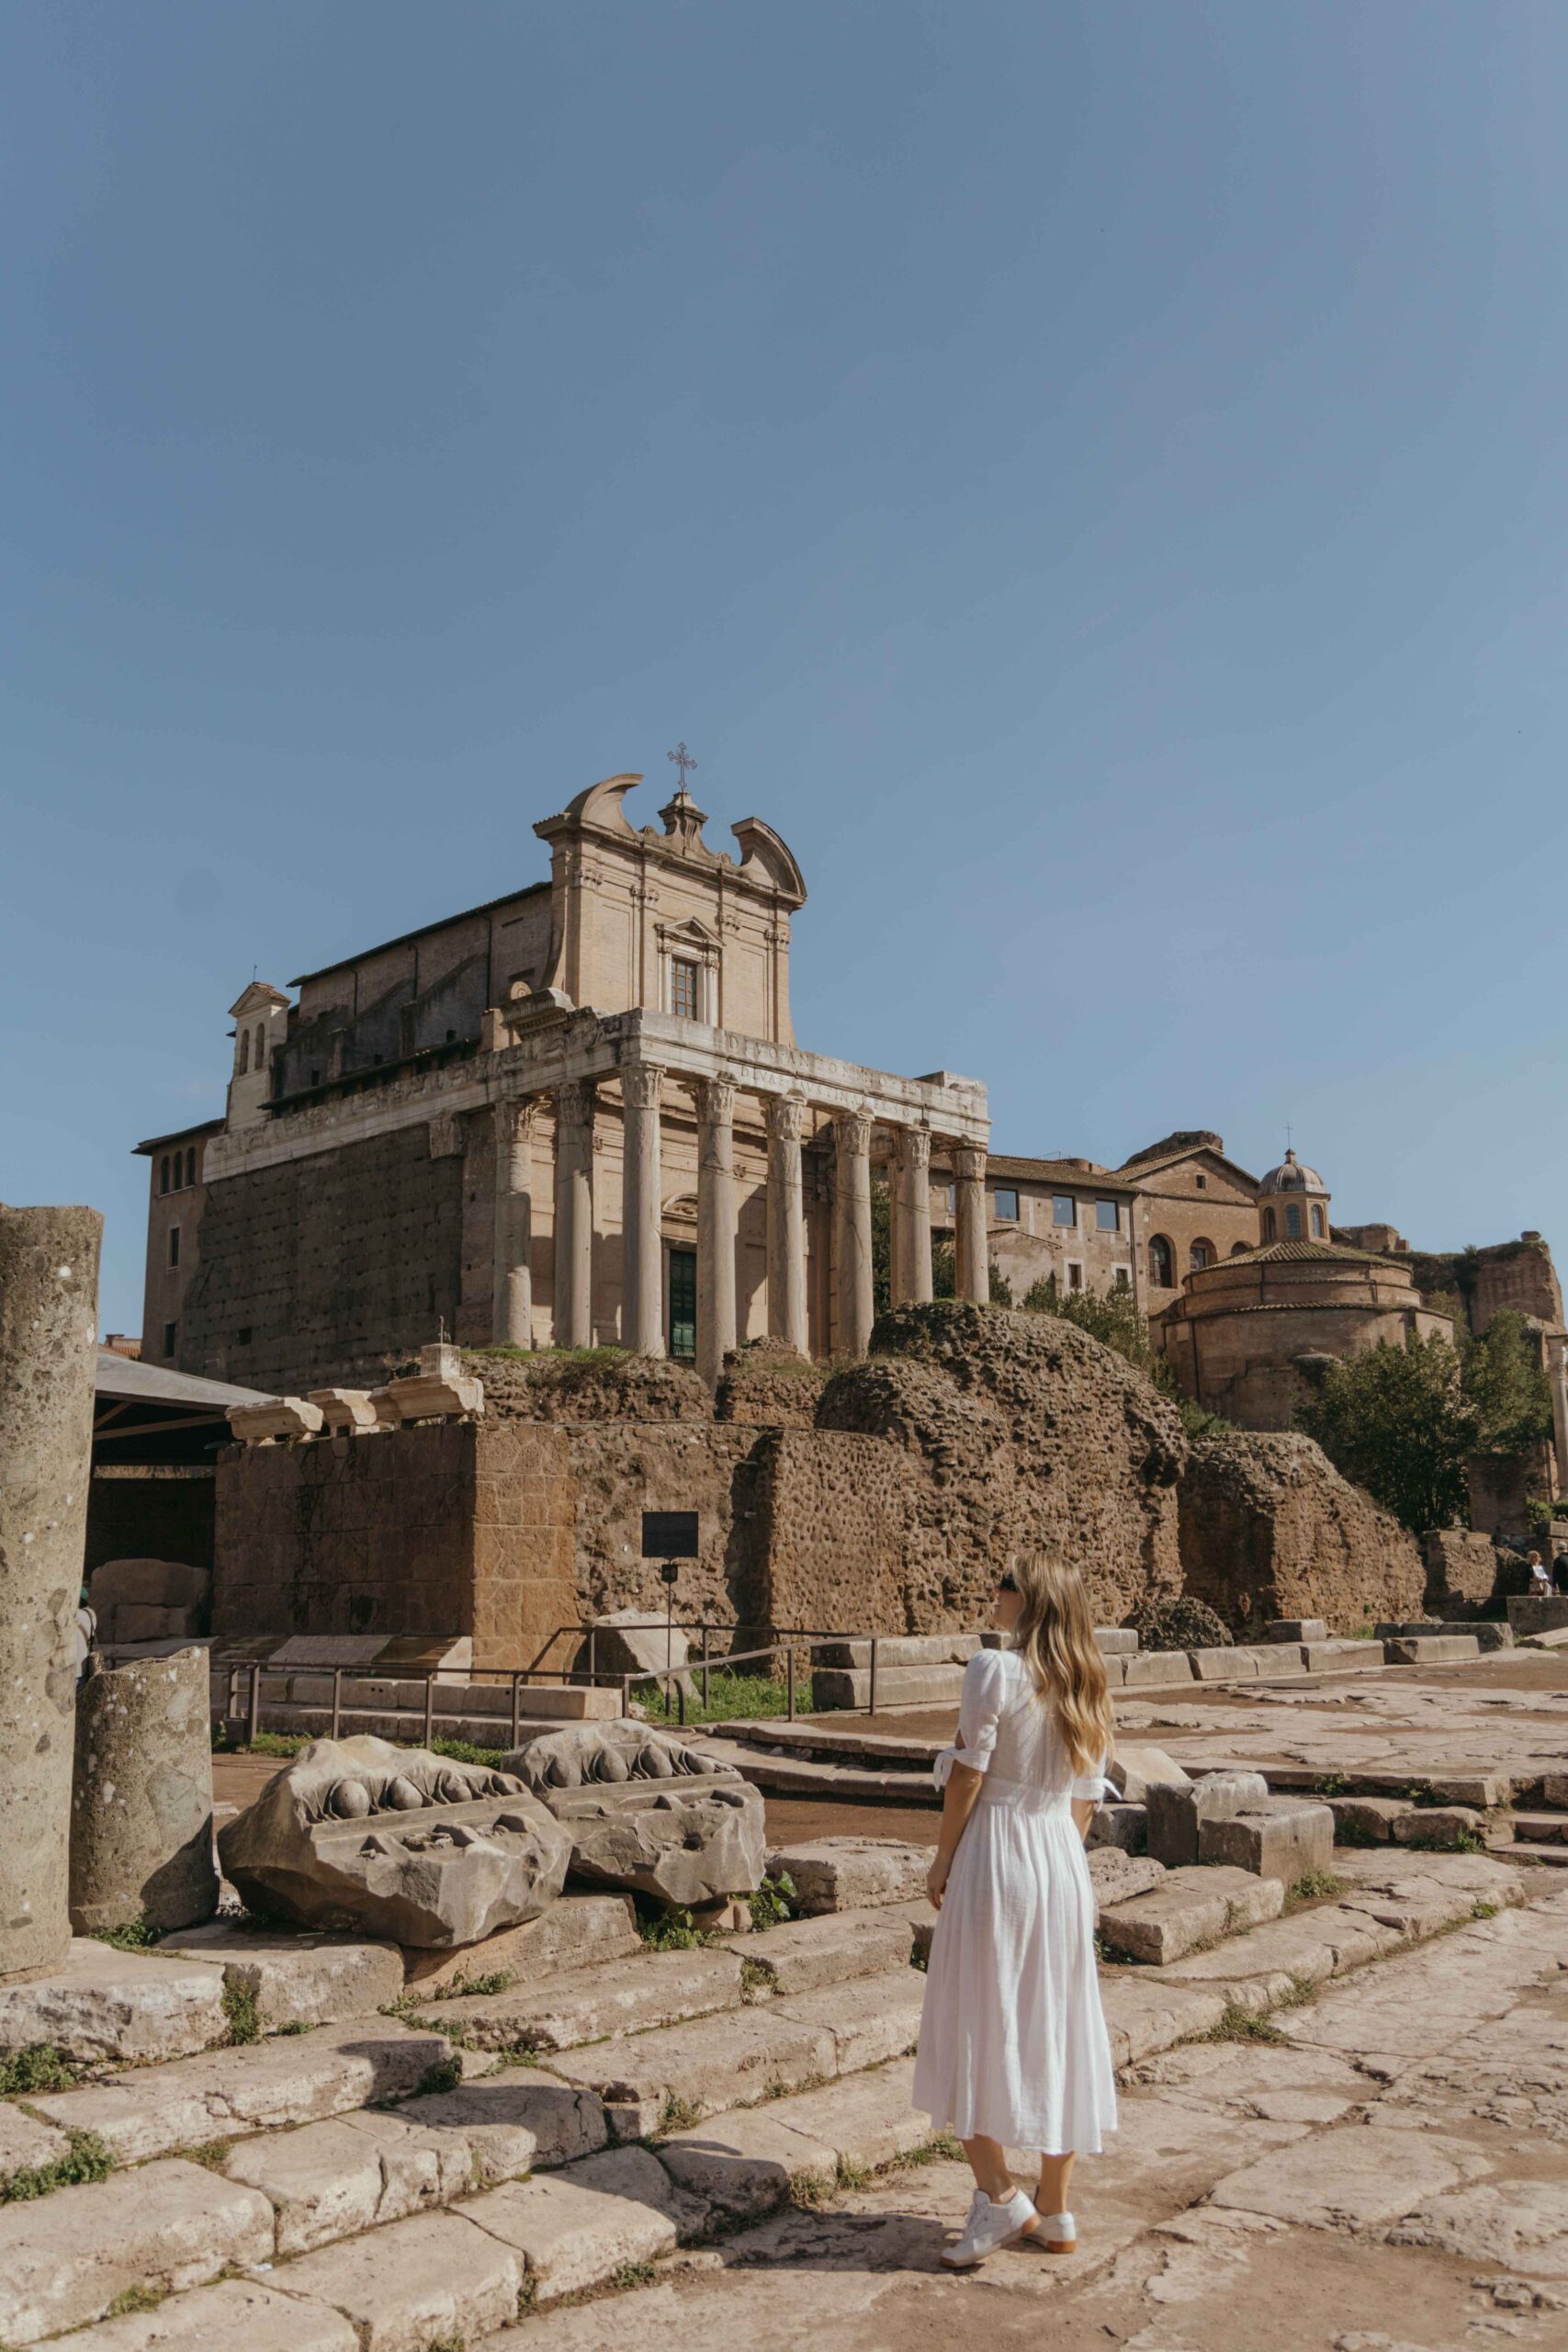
column 575, row 1103
column 852, row 1129
column 715, row 1101
column 786, row 1117
column 915, row 1148
column 515, row 1115
column 969, row 1162
column 640, row 1083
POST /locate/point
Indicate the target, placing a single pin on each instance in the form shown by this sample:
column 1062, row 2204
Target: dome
column 1293, row 1175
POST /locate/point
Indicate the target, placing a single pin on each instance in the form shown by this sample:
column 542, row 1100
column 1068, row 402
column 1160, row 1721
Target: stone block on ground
column 66, row 2259
column 647, row 1812
column 435, row 2279
column 26, row 2146
column 800, row 1955
column 871, row 2019
column 628, row 1641
column 515, row 2120
column 717, row 2062
column 1124, row 1826
column 1175, row 1812
column 1146, row 2015
column 851, row 1874
column 573, row 2230
column 622, row 1997
column 238, row 2316
column 1117, row 1877
column 142, row 1795
column 1447, row 1826
column 300, row 1979
column 411, row 1847
column 865, row 2119
column 743, row 2163
column 1116, row 1641
column 897, row 1650
column 124, row 2007
column 576, row 1931
column 897, row 1686
column 1152, row 1668
column 1134, row 1766
column 1224, row 1664
column 296, row 2079
column 329, row 2181
column 1288, row 1839
column 1342, row 1656
column 1430, row 1649
column 1365, row 1821
column 1296, row 1629
column 1274, row 1660
column 1192, row 1906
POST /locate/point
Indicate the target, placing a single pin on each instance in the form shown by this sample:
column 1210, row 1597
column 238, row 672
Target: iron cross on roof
column 683, row 761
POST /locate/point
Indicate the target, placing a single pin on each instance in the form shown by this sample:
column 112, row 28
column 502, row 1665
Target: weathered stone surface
column 26, row 2146
column 576, row 1931
column 346, row 1410
column 124, row 2005
column 48, row 1292
column 148, row 1599
column 280, row 1417
column 433, row 2279
column 300, row 1979
column 1297, row 1629
column 621, row 1996
column 1192, row 1906
column 1441, row 1825
column 719, row 2061
column 239, row 2315
column 1144, row 2016
column 1523, row 2223
column 1429, row 1649
column 65, row 2259
column 871, row 2019
column 574, row 2229
column 866, row 2119
column 802, row 1954
column 897, row 1686
column 1175, row 1812
column 1352, row 2179
column 851, row 1874
column 1133, row 1768
column 900, row 1650
column 1126, row 1825
column 297, row 2079
column 1116, row 1641
column 356, row 1834
column 1157, row 1669
column 647, row 1812
column 745, row 2164
column 1287, row 1839
column 516, row 2120
column 329, row 2181
column 627, row 1641
column 1365, row 1821
column 1117, row 1877
column 141, row 1797
column 1223, row 1666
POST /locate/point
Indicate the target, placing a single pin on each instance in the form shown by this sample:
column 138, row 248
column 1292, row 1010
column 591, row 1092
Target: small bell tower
column 261, row 1021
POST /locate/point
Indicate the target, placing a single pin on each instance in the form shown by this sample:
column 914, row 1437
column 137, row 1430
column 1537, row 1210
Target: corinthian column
column 512, row 1313
column 574, row 1214
column 642, row 1269
column 1557, row 1377
column 786, row 1222
column 716, row 1226
column 969, row 1187
column 851, row 1235
column 911, row 1206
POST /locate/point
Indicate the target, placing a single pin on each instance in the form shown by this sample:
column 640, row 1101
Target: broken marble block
column 279, row 1416
column 1175, row 1812
column 648, row 1813
column 395, row 1842
column 345, row 1410
column 1285, row 1838
column 1132, row 1769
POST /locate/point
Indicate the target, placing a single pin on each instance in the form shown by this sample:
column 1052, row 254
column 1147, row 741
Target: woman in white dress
column 1013, row 2051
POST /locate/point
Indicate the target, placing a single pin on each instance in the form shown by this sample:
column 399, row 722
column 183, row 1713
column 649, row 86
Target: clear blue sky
column 1092, row 475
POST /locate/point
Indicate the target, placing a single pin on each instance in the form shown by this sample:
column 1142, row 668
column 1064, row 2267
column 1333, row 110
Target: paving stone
column 1362, row 1821
column 851, row 1874
column 124, row 2007
column 26, row 2146
column 1523, row 2224
column 576, row 1931
column 1440, row 1826
column 1192, row 1907
column 574, row 2229
column 1116, row 1641
column 239, row 2315
column 1134, row 1766
column 66, row 2259
column 515, row 2120
column 1287, row 1839
column 622, row 1997
column 745, row 2163
column 434, row 2278
column 1117, row 1877
column 1352, row 2180
column 302, row 1979
column 871, row 2019
column 301, row 2078
column 328, row 2181
column 866, row 2119
column 1146, row 2015
column 1282, row 1954
column 717, row 2063
column 1174, row 1813
column 799, row 1955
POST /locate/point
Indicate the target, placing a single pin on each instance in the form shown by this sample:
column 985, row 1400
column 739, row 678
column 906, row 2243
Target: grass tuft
column 730, row 1695
column 1481, row 1909
column 209, row 2153
column 756, row 1976
column 1240, row 2024
column 770, row 1902
column 136, row 2299
column 89, row 2159
column 463, row 1752
column 135, row 1935
column 1314, row 1886
column 633, row 2274
column 444, row 2075
column 500, row 1980
column 39, row 2067
column 679, row 2114
column 240, row 2009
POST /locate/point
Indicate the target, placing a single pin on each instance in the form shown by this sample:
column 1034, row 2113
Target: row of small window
column 1064, row 1209
column 1295, row 1229
column 177, row 1169
column 243, row 1061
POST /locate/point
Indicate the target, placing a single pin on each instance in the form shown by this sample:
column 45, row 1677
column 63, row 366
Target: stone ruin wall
column 1270, row 1529
column 968, row 1431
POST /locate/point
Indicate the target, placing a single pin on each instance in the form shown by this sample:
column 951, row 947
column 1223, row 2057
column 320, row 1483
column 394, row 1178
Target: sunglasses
column 1007, row 1583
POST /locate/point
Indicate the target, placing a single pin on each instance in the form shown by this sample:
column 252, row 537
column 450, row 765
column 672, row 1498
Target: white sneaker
column 1057, row 2234
column 990, row 2224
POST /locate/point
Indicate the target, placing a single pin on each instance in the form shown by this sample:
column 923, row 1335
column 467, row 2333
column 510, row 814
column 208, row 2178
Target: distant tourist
column 1559, row 1572
column 86, row 1634
column 1540, row 1581
column 1013, row 2051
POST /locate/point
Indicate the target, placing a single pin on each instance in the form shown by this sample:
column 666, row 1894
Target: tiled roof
column 1056, row 1172
column 1335, row 1252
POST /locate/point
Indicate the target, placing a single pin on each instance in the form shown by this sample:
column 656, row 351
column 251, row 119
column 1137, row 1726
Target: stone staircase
column 412, row 2171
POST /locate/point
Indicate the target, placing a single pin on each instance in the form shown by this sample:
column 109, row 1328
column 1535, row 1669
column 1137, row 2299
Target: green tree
column 1505, row 1386
column 881, row 1246
column 1397, row 1421
column 1001, row 1288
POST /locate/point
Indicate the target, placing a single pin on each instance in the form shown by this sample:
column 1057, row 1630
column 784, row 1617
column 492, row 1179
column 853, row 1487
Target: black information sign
column 670, row 1535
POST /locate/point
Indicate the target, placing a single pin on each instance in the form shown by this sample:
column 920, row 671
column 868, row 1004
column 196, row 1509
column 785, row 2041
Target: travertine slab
column 871, row 2019
column 516, row 2120
column 116, row 2006
column 332, row 2180
column 577, row 1930
column 622, row 1996
column 239, row 2315
column 866, row 2119
column 65, row 2259
column 575, row 2229
column 717, row 2062
column 743, row 2163
column 1135, row 1766
column 433, row 2279
column 1354, row 2179
column 1287, row 1839
column 1175, row 1812
column 1192, row 1907
column 1364, row 1821
column 26, row 2146
column 851, row 1874
column 300, row 1979
column 802, row 1954
column 1117, row 1877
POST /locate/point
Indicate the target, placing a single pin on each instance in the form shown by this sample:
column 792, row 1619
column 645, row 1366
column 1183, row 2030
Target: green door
column 684, row 1303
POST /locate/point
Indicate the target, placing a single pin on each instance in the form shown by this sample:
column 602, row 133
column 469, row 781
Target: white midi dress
column 1013, row 2043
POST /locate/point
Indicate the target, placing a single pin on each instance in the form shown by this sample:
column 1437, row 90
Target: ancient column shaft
column 1557, row 1378
column 141, row 1808
column 574, row 1215
column 642, row 1250
column 49, row 1293
column 513, row 1303
column 716, row 1226
column 911, row 1208
column 786, row 1222
column 969, row 1186
column 852, row 1233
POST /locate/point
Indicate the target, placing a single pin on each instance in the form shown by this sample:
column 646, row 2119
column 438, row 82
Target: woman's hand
column 936, row 1883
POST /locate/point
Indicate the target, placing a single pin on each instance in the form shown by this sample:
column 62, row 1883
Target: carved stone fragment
column 646, row 1812
column 395, row 1842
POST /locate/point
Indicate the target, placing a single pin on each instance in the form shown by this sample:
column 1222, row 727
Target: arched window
column 1162, row 1262
column 190, row 1165
column 164, row 1173
column 1269, row 1230
column 1318, row 1228
column 1238, row 1248
column 243, row 1065
column 1200, row 1255
column 261, row 1044
column 1292, row 1220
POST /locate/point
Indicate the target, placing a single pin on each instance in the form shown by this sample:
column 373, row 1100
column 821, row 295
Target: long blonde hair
column 1054, row 1637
